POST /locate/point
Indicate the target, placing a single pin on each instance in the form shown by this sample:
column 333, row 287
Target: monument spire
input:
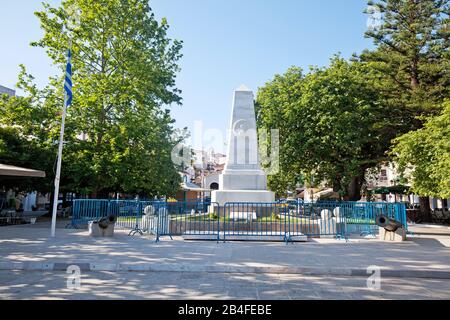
column 242, row 179
column 243, row 87
column 243, row 139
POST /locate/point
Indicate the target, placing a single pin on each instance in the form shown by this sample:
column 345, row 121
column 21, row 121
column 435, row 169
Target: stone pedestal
column 223, row 196
column 327, row 223
column 397, row 236
column 96, row 231
column 148, row 223
column 243, row 180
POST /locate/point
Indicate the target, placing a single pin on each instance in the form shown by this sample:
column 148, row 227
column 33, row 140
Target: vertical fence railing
column 137, row 216
column 85, row 210
column 256, row 220
column 189, row 218
column 360, row 217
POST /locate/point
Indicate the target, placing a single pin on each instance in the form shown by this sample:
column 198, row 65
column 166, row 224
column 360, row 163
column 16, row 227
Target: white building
column 207, row 159
column 208, row 166
column 211, row 181
column 388, row 176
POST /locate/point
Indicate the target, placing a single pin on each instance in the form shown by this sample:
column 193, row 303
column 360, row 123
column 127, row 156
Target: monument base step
column 248, row 236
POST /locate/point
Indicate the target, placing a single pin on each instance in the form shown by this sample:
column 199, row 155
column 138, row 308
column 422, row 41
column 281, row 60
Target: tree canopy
column 338, row 121
column 118, row 135
column 426, row 153
column 333, row 126
column 334, row 122
column 412, row 61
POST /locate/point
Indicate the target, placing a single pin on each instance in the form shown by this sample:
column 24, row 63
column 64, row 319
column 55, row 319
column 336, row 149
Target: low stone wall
column 179, row 227
column 261, row 210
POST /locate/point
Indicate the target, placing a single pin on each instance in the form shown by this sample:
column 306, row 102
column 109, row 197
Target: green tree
column 411, row 59
column 425, row 155
column 118, row 135
column 333, row 126
column 15, row 149
column 25, row 135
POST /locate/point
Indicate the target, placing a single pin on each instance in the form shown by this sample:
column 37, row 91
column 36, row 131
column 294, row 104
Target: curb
column 310, row 271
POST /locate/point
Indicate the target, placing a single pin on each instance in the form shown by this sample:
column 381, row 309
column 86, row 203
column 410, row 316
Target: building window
column 383, row 175
column 214, row 186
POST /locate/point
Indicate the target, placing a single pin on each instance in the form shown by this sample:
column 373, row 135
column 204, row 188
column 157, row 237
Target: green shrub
column 213, row 216
column 275, row 216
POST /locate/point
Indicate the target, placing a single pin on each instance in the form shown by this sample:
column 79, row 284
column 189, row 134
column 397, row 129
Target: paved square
column 203, row 285
column 33, row 267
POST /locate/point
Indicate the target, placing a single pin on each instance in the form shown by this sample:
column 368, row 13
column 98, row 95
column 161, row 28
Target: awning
column 398, row 189
column 12, row 171
column 189, row 186
column 315, row 191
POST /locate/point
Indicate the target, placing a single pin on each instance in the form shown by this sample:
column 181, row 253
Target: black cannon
column 105, row 222
column 387, row 223
column 103, row 227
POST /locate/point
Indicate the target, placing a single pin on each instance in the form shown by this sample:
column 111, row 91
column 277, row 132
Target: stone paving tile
column 296, row 293
column 28, row 244
column 170, row 285
column 25, row 244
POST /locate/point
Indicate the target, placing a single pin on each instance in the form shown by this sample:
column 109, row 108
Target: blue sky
column 226, row 43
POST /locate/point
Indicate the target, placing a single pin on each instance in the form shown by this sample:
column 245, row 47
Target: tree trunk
column 64, row 200
column 50, row 210
column 354, row 188
column 414, row 81
column 337, row 184
column 415, row 72
column 425, row 210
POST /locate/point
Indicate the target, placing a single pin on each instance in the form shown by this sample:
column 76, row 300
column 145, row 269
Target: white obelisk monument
column 242, row 180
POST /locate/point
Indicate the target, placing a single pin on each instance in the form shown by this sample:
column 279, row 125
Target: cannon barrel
column 387, row 223
column 106, row 221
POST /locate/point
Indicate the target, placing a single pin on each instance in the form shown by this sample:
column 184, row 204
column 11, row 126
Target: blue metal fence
column 193, row 218
column 285, row 220
column 131, row 214
column 240, row 221
column 84, row 211
column 360, row 216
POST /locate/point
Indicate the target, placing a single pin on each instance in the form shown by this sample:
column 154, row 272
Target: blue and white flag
column 68, row 80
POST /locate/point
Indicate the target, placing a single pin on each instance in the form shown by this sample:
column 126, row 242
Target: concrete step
column 239, row 236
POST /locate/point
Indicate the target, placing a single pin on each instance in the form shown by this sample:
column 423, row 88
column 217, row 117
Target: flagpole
column 60, row 149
